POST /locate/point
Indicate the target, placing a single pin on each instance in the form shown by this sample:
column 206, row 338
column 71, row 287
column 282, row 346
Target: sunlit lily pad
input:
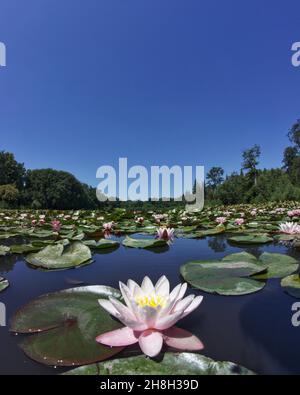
column 143, row 243
column 3, row 284
column 251, row 239
column 23, row 248
column 172, row 364
column 101, row 244
column 278, row 265
column 57, row 256
column 64, row 326
column 291, row 285
column 231, row 277
column 4, row 250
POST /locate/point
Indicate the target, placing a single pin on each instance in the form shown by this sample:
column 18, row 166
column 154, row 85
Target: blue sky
column 162, row 82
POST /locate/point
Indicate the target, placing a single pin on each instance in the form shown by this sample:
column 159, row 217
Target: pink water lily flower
column 239, row 221
column 56, row 225
column 290, row 228
column 108, row 226
column 149, row 317
column 165, row 233
column 221, row 220
column 140, row 220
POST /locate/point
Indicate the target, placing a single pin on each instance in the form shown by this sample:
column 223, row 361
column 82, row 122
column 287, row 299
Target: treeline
column 53, row 189
column 251, row 185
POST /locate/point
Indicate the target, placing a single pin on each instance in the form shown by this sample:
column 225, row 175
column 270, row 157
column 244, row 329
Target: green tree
column 52, row 189
column 250, row 161
column 11, row 172
column 215, row 177
column 289, row 156
column 9, row 195
column 294, row 134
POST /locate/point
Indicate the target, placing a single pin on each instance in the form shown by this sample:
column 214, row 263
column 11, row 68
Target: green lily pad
column 4, row 250
column 291, row 285
column 23, row 248
column 3, row 284
column 7, row 235
column 223, row 277
column 42, row 233
column 64, row 326
column 143, row 243
column 240, row 257
column 278, row 265
column 172, row 364
column 251, row 239
column 58, row 257
column 101, row 244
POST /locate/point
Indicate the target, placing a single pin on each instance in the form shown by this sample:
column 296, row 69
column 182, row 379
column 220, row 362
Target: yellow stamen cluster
column 151, row 301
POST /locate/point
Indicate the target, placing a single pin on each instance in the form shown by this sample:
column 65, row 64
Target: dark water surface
column 254, row 331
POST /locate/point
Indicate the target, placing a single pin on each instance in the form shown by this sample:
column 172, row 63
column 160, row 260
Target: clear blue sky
column 188, row 82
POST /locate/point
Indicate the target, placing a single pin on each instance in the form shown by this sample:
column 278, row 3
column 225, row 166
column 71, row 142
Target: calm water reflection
column 253, row 330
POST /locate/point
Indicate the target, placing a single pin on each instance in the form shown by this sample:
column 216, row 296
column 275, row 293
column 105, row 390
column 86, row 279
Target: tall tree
column 215, row 176
column 250, row 161
column 294, row 134
column 289, row 156
column 11, row 172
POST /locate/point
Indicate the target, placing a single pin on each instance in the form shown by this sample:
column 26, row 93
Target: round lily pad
column 251, row 239
column 102, row 244
column 64, row 326
column 172, row 364
column 4, row 250
column 23, row 248
column 278, row 265
column 291, row 285
column 3, row 284
column 57, row 256
column 222, row 277
column 143, row 243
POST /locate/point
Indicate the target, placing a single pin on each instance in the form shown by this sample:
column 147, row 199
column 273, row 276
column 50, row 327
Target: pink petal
column 151, row 342
column 182, row 340
column 120, row 337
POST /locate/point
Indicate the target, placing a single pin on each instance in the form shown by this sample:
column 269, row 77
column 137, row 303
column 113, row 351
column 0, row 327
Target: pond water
column 254, row 330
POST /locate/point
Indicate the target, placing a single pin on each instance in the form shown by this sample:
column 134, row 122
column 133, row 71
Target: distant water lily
column 140, row 220
column 108, row 226
column 159, row 217
column 294, row 213
column 165, row 233
column 150, row 315
column 289, row 228
column 239, row 221
column 221, row 220
column 56, row 225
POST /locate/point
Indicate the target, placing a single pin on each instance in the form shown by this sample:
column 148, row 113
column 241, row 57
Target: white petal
column 162, row 286
column 195, row 303
column 131, row 285
column 147, row 285
column 123, row 310
column 108, row 306
column 181, row 305
column 167, row 321
column 125, row 293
